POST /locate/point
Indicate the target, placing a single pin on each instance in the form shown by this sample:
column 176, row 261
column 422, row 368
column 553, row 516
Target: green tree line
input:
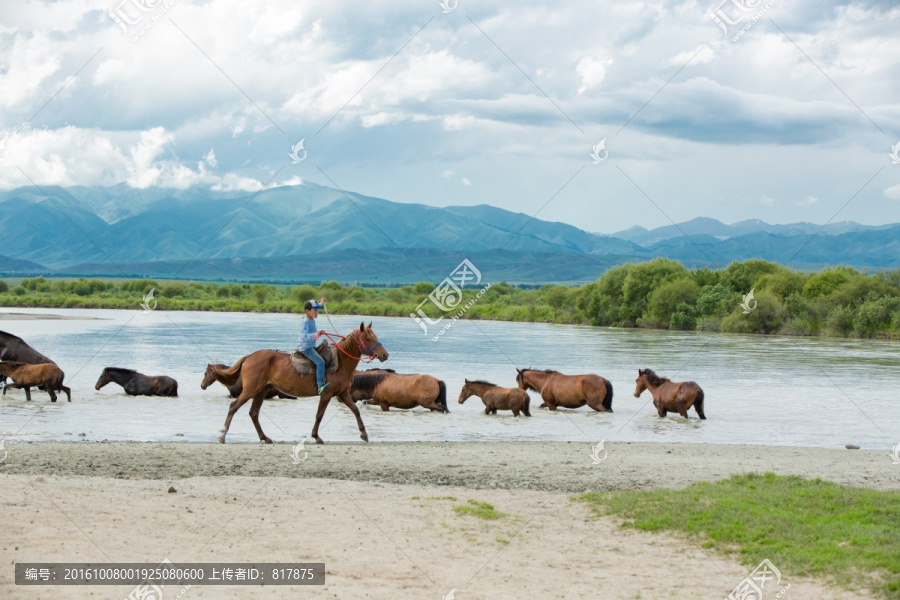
column 661, row 293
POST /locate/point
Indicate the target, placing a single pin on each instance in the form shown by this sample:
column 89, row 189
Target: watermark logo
column 136, row 17
column 148, row 590
column 895, row 154
column 749, row 304
column 600, row 153
column 451, row 595
column 449, row 6
column 298, row 449
column 296, row 159
column 595, row 453
column 743, row 13
column 4, row 453
column 148, row 298
column 752, row 586
column 447, row 296
column 895, row 453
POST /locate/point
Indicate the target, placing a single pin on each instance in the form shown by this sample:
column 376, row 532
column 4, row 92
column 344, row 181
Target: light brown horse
column 668, row 395
column 268, row 367
column 47, row 375
column 567, row 391
column 233, row 383
column 496, row 398
column 389, row 389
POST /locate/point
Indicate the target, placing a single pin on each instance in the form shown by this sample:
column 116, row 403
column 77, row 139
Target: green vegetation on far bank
column 850, row 536
column 661, row 293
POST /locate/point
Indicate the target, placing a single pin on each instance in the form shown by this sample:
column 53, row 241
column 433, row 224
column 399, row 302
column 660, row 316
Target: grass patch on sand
column 849, row 536
column 482, row 510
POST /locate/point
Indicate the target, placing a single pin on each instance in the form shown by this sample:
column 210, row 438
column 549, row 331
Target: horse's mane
column 379, row 369
column 366, row 381
column 3, row 334
column 483, row 382
column 13, row 363
column 653, row 378
column 542, row 370
column 122, row 370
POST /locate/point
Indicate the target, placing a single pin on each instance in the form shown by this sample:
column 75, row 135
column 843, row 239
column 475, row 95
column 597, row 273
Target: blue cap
column 312, row 304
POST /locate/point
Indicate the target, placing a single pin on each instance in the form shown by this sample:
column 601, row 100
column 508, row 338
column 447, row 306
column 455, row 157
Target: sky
column 603, row 115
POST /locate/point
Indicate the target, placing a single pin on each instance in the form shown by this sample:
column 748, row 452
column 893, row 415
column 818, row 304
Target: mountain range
column 311, row 233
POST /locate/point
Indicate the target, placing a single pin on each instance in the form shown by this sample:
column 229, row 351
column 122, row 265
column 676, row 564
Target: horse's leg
column 324, row 399
column 659, row 408
column 254, row 416
column 68, row 392
column 346, row 399
column 51, row 389
column 548, row 402
column 27, row 393
column 233, row 408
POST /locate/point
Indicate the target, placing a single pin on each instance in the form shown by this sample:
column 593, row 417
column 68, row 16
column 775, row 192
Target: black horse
column 14, row 348
column 136, row 384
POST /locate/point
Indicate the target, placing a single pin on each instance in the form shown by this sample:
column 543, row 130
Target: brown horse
column 268, row 367
column 234, row 383
column 668, row 395
column 568, row 391
column 47, row 376
column 388, row 389
column 496, row 398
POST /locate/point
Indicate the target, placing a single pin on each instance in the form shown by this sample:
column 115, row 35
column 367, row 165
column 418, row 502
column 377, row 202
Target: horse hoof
column 221, row 439
column 266, row 441
column 319, row 441
column 364, row 437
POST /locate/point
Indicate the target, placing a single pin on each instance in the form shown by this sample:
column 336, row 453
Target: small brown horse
column 47, row 375
column 234, row 383
column 567, row 391
column 389, row 389
column 496, row 398
column 268, row 367
column 668, row 395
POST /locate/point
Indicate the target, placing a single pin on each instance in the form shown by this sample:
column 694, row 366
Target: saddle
column 304, row 366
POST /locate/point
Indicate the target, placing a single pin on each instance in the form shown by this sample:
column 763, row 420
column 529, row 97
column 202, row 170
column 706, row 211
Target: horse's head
column 465, row 392
column 368, row 342
column 209, row 377
column 104, row 379
column 520, row 380
column 640, row 383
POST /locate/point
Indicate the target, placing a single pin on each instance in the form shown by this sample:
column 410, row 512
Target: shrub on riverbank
column 661, row 293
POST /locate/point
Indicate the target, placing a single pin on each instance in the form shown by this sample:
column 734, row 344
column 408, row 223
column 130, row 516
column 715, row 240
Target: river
column 759, row 390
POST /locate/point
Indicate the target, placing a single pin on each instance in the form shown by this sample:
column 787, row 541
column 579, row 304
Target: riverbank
column 389, row 520
column 548, row 466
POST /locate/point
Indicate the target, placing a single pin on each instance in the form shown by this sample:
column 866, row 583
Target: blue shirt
column 307, row 339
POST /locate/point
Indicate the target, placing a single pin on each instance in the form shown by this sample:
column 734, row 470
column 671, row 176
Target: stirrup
column 324, row 387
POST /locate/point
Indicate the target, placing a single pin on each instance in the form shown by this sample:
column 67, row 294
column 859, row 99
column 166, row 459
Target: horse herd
column 268, row 373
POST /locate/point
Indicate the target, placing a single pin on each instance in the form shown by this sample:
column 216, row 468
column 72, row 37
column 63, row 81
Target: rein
column 362, row 345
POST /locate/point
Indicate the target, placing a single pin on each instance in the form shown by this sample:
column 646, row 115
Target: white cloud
column 592, row 72
column 210, row 158
column 447, row 174
column 808, row 201
column 893, row 192
column 465, row 181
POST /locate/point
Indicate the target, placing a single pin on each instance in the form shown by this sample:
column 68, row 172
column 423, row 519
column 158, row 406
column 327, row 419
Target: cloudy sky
column 782, row 111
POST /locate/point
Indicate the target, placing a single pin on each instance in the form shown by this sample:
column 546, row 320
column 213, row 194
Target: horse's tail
column 230, row 375
column 525, row 404
column 607, row 401
column 442, row 396
column 698, row 403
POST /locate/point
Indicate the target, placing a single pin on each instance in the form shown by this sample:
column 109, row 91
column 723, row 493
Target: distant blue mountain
column 205, row 233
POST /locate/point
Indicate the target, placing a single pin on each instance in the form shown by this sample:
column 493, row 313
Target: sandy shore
column 381, row 516
column 553, row 466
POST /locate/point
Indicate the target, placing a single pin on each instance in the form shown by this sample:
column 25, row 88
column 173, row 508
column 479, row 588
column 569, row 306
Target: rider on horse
column 308, row 338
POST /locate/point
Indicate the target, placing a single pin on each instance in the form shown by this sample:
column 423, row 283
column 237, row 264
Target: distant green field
column 659, row 294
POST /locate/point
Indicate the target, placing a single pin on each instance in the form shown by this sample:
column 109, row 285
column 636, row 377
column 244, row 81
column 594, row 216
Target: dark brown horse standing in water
column 46, row 376
column 567, row 391
column 15, row 349
column 389, row 389
column 234, row 383
column 496, row 398
column 268, row 367
column 668, row 395
column 138, row 384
